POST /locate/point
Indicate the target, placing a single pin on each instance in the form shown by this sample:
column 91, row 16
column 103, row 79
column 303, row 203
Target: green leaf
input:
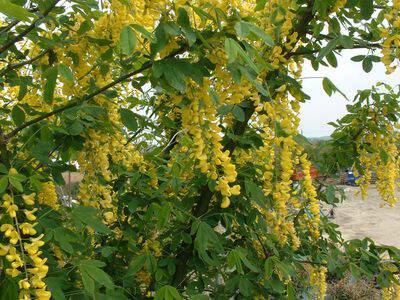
column 367, row 64
column 255, row 193
column 15, row 11
column 330, row 194
column 151, row 262
column 347, row 118
column 18, row 115
column 15, row 183
column 260, row 5
column 291, row 292
column 269, row 267
column 129, row 119
column 167, row 292
column 358, row 58
column 206, row 240
column 8, row 289
column 384, row 156
column 3, row 183
column 175, row 72
column 234, row 260
column 55, row 285
column 199, row 297
column 143, row 31
column 93, row 262
column 85, row 26
column 98, row 275
column 261, row 34
column 88, row 282
column 63, row 238
column 330, row 87
column 89, row 216
column 50, row 77
column 204, row 16
column 327, row 85
column 225, row 109
column 175, row 78
column 331, row 58
column 66, row 72
column 367, row 8
column 277, row 286
column 238, row 113
column 246, row 287
column 244, row 29
column 238, row 256
column 127, row 40
column 136, row 264
column 327, row 49
column 184, row 22
column 231, row 50
column 346, row 41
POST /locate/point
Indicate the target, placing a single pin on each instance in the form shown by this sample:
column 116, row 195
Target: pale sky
column 348, row 77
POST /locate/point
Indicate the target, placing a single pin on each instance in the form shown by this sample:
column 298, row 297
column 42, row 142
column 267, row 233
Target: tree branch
column 101, row 90
column 28, row 29
column 313, row 51
column 23, row 63
column 9, row 26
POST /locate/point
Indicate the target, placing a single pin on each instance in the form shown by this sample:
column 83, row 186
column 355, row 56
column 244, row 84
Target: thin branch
column 23, row 63
column 313, row 51
column 101, row 90
column 9, row 26
column 28, row 29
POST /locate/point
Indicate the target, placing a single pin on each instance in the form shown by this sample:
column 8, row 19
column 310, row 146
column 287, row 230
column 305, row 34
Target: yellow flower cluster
column 391, row 293
column 20, row 236
column 47, row 195
column 284, row 154
column 310, row 193
column 94, row 161
column 318, row 280
column 339, row 5
column 387, row 171
column 391, row 37
column 199, row 119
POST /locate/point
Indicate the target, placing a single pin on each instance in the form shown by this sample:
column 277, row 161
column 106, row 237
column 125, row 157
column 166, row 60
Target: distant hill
column 321, row 138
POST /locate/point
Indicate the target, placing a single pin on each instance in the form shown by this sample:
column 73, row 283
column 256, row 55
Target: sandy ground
column 359, row 218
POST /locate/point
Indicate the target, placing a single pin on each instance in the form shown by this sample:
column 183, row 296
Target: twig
column 313, row 51
column 72, row 104
column 23, row 63
column 9, row 26
column 28, row 29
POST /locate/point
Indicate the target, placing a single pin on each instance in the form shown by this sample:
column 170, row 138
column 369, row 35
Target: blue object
column 351, row 179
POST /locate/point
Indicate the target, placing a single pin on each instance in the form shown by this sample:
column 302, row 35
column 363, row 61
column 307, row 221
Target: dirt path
column 359, row 218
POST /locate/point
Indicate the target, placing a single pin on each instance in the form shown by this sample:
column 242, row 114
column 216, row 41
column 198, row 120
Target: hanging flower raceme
column 23, row 253
column 391, row 37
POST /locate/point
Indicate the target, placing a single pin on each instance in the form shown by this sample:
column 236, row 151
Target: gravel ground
column 359, row 218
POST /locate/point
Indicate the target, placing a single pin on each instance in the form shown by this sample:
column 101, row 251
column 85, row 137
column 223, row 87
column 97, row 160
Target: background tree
column 183, row 118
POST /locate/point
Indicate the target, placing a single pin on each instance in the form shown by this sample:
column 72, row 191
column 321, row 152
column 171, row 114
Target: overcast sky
column 348, row 77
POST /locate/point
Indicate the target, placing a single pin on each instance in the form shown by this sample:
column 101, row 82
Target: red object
column 298, row 175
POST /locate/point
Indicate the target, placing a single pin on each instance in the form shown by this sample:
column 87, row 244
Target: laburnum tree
column 182, row 116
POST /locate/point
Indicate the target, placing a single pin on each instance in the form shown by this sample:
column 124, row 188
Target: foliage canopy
column 182, row 117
